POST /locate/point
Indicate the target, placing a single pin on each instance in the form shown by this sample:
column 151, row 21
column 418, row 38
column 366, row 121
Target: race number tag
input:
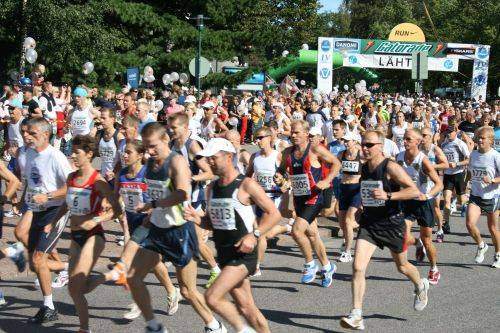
column 132, row 197
column 157, row 189
column 78, row 201
column 79, row 124
column 450, row 156
column 265, row 179
column 350, row 166
column 30, row 192
column 478, row 173
column 300, row 185
column 222, row 214
column 367, row 187
column 399, row 141
column 107, row 154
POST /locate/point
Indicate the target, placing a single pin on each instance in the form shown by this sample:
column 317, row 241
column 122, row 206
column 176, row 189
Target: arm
column 245, row 158
column 206, row 172
column 466, row 152
column 441, row 161
column 181, row 176
column 408, row 188
column 431, row 172
column 326, row 156
column 250, row 170
column 11, row 180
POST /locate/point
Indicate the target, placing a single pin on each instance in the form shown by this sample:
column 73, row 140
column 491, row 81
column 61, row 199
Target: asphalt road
column 467, row 298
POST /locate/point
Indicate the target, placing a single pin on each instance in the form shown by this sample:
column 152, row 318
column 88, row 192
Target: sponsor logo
column 350, row 45
column 448, row 64
column 353, row 60
column 325, row 45
column 482, row 52
column 324, row 73
column 325, row 58
column 401, row 47
column 460, row 51
column 480, row 80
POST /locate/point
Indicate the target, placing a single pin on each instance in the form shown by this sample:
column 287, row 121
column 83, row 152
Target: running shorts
column 393, row 237
column 229, row 256
column 328, row 197
column 486, row 205
column 38, row 239
column 80, row 237
column 420, row 211
column 305, row 211
column 350, row 196
column 455, row 182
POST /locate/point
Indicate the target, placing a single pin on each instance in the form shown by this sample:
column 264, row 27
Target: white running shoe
column 221, row 329
column 480, row 253
column 345, row 257
column 61, row 280
column 353, row 322
column 173, row 302
column 421, row 296
column 453, row 206
column 496, row 263
column 257, row 273
column 134, row 313
column 161, row 329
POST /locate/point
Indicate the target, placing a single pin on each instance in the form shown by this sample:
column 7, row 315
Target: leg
column 262, row 242
column 23, row 226
column 205, row 251
column 426, row 238
column 406, row 268
column 350, row 222
column 229, row 278
column 437, row 213
column 243, row 298
column 471, row 218
column 161, row 273
column 299, row 235
column 364, row 252
column 316, row 242
column 447, row 205
column 493, row 228
column 410, row 240
column 39, row 264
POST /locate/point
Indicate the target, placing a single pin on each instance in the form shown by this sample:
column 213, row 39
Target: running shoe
column 439, row 237
column 496, row 262
column 173, row 302
column 453, row 206
column 61, row 280
column 221, row 329
column 419, row 251
column 434, row 277
column 257, row 273
column 133, row 313
column 211, row 279
column 421, row 296
column 10, row 213
column 463, row 209
column 44, row 315
column 309, row 273
column 18, row 258
column 327, row 276
column 353, row 322
column 480, row 253
column 122, row 275
column 160, row 329
column 3, row 302
column 345, row 257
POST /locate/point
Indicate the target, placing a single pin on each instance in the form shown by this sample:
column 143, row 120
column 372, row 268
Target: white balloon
column 346, row 87
column 148, row 70
column 285, row 53
column 31, row 56
column 29, row 43
column 302, row 82
column 305, row 46
column 362, row 83
column 158, row 105
column 14, row 75
column 174, row 76
column 183, row 78
column 88, row 68
column 166, row 79
column 149, row 78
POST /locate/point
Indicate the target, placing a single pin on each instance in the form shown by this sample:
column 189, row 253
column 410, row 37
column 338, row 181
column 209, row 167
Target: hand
column 422, row 197
column 47, row 228
column 190, row 214
column 453, row 165
column 40, row 198
column 109, row 175
column 487, row 180
column 379, row 194
column 246, row 244
column 278, row 179
column 143, row 208
column 323, row 184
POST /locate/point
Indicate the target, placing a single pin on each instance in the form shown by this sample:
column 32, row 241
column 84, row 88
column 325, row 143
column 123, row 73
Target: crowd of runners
column 176, row 170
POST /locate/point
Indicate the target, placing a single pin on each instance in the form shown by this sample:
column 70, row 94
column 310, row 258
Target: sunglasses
column 261, row 137
column 369, row 144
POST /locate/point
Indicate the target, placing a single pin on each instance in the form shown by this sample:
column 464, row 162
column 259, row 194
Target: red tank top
column 83, row 199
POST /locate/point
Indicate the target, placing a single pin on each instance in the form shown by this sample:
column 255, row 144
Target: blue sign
column 482, row 52
column 448, row 64
column 325, row 45
column 353, row 60
column 256, row 78
column 324, row 73
column 480, row 80
column 133, row 77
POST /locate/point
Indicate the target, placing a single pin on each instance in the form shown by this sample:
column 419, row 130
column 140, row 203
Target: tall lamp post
column 200, row 26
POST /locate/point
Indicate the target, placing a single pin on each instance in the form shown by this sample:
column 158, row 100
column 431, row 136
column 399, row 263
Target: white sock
column 10, row 252
column 434, row 268
column 246, row 329
column 214, row 324
column 311, row 263
column 327, row 267
column 215, row 269
column 47, row 301
column 153, row 324
column 481, row 245
column 421, row 285
column 357, row 312
column 258, row 265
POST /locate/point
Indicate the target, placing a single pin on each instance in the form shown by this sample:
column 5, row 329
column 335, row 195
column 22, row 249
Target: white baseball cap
column 208, row 105
column 190, row 99
column 348, row 136
column 280, row 105
column 315, row 131
column 216, row 145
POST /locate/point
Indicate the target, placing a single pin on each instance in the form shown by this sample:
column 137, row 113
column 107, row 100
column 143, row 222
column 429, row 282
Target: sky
column 330, row 5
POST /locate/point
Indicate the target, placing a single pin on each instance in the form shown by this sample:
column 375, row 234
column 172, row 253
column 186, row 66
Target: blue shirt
column 497, row 139
column 336, row 147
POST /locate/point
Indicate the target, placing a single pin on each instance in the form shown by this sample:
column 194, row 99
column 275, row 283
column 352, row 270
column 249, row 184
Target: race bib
column 367, row 187
column 418, row 124
column 350, row 166
column 157, row 189
column 399, row 141
column 79, row 123
column 107, row 154
column 222, row 214
column 478, row 173
column 450, row 156
column 300, row 185
column 132, row 197
column 30, row 192
column 265, row 179
column 78, row 201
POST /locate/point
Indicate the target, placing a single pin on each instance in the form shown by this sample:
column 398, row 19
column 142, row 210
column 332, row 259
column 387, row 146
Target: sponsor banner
column 407, row 32
column 377, row 46
column 133, row 76
column 480, row 72
column 325, row 64
column 347, row 45
column 460, row 51
column 398, row 62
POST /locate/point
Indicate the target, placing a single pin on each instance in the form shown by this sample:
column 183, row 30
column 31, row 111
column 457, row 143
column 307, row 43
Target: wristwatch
column 256, row 233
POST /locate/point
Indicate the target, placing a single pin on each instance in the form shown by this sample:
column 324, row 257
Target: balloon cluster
column 148, row 74
column 360, row 88
column 29, row 45
column 167, row 79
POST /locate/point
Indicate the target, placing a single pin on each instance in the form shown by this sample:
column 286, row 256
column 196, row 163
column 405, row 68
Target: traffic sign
column 204, row 67
column 419, row 67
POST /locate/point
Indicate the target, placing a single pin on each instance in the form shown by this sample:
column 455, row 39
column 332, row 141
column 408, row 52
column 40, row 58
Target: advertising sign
column 377, row 46
column 325, row 64
column 398, row 62
column 348, row 45
column 480, row 72
column 460, row 51
column 407, row 32
column 133, row 76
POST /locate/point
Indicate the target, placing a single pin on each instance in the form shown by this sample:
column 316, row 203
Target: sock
column 440, row 231
column 214, row 324
column 153, row 324
column 310, row 263
column 10, row 252
column 258, row 265
column 47, row 301
column 434, row 268
column 245, row 329
column 420, row 285
column 215, row 269
column 481, row 245
column 327, row 267
column 357, row 312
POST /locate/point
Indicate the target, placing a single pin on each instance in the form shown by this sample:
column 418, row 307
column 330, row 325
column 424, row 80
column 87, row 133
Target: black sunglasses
column 261, row 137
column 369, row 144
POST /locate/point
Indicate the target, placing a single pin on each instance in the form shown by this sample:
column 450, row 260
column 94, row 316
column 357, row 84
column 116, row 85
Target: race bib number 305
column 222, row 214
column 367, row 187
column 300, row 185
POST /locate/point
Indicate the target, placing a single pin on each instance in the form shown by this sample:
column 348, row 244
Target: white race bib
column 497, row 144
column 300, row 185
column 367, row 187
column 222, row 214
column 478, row 173
column 107, row 154
column 132, row 197
column 399, row 141
column 30, row 192
column 157, row 189
column 78, row 201
column 450, row 156
column 78, row 123
column 350, row 166
column 265, row 179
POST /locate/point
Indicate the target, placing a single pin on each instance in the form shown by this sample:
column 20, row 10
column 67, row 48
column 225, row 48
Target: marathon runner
column 383, row 184
column 108, row 139
column 230, row 201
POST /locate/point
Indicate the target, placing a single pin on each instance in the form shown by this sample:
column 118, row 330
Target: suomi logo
column 401, row 47
column 448, row 64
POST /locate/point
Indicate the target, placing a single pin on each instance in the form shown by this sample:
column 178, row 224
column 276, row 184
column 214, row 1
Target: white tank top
column 108, row 152
column 371, row 122
column 398, row 134
column 207, row 129
column 415, row 171
column 265, row 169
column 237, row 164
column 297, row 115
column 81, row 122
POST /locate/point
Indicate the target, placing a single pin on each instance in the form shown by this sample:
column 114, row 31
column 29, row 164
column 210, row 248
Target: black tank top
column 378, row 213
